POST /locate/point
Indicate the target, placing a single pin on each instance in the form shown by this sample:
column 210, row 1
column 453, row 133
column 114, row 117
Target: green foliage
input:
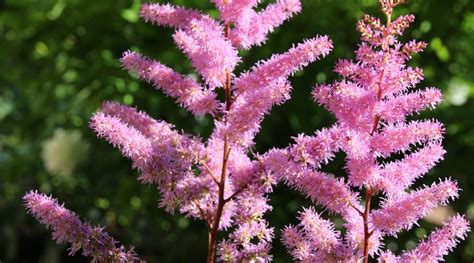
column 60, row 61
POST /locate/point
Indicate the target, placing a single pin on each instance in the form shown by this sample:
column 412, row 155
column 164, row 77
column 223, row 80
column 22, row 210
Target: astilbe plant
column 221, row 183
column 385, row 155
column 217, row 181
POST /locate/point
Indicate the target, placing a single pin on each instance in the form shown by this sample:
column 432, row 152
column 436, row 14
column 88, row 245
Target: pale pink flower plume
column 185, row 90
column 169, row 15
column 211, row 54
column 385, row 154
column 253, row 27
column 68, row 228
column 187, row 171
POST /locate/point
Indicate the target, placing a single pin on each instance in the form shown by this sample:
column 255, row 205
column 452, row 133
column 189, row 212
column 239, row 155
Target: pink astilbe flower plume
column 440, row 242
column 253, row 27
column 284, row 65
column 210, row 52
column 68, row 228
column 385, row 154
column 131, row 142
column 169, row 15
column 407, row 210
column 402, row 173
column 162, row 155
column 264, row 86
column 435, row 246
column 185, row 89
column 398, row 138
column 315, row 240
column 232, row 10
column 217, row 180
column 396, row 109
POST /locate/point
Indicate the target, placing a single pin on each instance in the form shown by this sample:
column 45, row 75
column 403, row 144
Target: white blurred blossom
column 458, row 92
column 64, row 151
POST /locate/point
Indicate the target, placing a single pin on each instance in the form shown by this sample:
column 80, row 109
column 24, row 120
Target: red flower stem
column 211, row 253
column 369, row 193
column 368, row 198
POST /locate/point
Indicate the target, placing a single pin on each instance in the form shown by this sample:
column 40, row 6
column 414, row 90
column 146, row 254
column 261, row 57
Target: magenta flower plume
column 325, row 190
column 398, row 138
column 284, row 65
column 321, row 231
column 315, row 240
column 216, row 181
column 212, row 55
column 385, row 154
column 401, row 174
column 435, row 246
column 253, row 27
column 403, row 213
column 169, row 15
column 128, row 139
column 162, row 155
column 243, row 122
column 440, row 242
column 68, row 228
column 185, row 90
column 266, row 85
column 233, row 10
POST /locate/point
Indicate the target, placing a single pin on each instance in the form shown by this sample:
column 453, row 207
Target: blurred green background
column 59, row 61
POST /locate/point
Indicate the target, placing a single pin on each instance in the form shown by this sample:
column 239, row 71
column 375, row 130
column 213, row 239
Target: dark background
column 59, row 61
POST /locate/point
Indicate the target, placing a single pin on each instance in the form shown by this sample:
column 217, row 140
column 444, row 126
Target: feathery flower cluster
column 185, row 89
column 217, row 181
column 251, row 27
column 67, row 227
column 436, row 245
column 268, row 79
column 371, row 104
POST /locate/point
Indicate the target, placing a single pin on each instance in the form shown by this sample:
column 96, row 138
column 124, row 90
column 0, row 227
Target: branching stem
column 221, row 183
column 369, row 192
column 367, row 234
